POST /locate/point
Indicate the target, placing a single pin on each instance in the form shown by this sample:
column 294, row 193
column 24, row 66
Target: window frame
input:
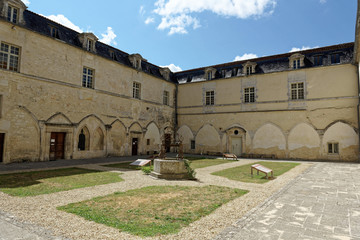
column 333, row 148
column 318, row 60
column 249, row 95
column 89, row 45
column 335, row 58
column 249, row 70
column 297, row 92
column 88, row 77
column 10, row 59
column 136, row 90
column 166, row 98
column 10, row 14
column 210, row 98
column 192, row 144
column 54, row 32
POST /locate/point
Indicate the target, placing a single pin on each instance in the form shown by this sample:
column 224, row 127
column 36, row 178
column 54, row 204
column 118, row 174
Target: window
column 335, row 58
column 192, row 144
column 223, row 73
column 318, row 60
column 9, row 57
column 234, row 72
column 54, row 32
column 333, row 148
column 83, row 140
column 296, row 64
column 112, row 55
column 209, row 75
column 248, row 70
column 249, row 95
column 166, row 98
column 12, row 15
column 210, row 98
column 90, row 45
column 297, row 91
column 136, row 90
column 148, row 142
column 88, row 78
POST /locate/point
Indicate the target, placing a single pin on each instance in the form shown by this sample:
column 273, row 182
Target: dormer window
column 210, row 73
column 136, row 60
column 165, row 72
column 88, row 41
column 296, row 64
column 249, row 68
column 318, row 60
column 54, row 32
column 296, row 61
column 223, row 73
column 12, row 14
column 89, row 45
column 335, row 58
column 112, row 55
column 12, row 11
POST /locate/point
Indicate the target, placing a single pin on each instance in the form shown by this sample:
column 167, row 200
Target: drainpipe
column 175, row 110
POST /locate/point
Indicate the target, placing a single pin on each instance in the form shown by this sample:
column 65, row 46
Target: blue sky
column 188, row 34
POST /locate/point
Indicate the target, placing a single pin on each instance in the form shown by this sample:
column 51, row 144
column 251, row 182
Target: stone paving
column 323, row 203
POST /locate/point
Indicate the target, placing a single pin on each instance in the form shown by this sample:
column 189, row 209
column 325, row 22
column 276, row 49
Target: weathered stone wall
column 47, row 96
column 275, row 124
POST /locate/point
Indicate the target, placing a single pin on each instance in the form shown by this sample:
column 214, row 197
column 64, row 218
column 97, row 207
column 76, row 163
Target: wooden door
column 167, row 142
column 2, row 141
column 57, row 146
column 135, row 146
column 236, row 144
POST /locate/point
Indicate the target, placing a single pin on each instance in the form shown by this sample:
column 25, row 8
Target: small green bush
column 147, row 169
column 191, row 172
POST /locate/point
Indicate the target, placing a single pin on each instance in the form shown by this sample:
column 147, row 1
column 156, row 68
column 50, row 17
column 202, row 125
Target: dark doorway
column 2, row 141
column 167, row 142
column 57, row 146
column 134, row 144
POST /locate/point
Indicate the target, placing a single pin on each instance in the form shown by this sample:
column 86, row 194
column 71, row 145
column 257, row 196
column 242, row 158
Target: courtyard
column 312, row 200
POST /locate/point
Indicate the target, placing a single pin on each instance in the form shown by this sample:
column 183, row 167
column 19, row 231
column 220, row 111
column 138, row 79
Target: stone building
column 64, row 94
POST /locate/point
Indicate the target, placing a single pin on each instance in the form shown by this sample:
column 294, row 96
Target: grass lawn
column 44, row 182
column 124, row 165
column 243, row 173
column 201, row 163
column 155, row 210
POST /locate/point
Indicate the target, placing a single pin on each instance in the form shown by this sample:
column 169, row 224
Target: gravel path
column 41, row 210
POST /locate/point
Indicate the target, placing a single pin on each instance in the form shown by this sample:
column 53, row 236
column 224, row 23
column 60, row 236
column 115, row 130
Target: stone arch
column 117, row 141
column 135, row 126
column 24, row 136
column 94, row 116
column 59, row 118
column 347, row 139
column 303, row 142
column 269, row 139
column 152, row 138
column 208, row 139
column 83, row 138
column 187, row 136
column 98, row 142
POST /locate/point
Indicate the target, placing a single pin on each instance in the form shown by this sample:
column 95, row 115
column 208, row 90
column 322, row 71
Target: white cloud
column 295, row 49
column 64, row 21
column 173, row 67
column 109, row 37
column 323, row 1
column 176, row 14
column 26, row 2
column 245, row 57
column 149, row 20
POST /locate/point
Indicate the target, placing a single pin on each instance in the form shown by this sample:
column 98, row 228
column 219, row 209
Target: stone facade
column 73, row 97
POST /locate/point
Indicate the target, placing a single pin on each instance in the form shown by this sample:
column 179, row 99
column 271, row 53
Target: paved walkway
column 324, row 203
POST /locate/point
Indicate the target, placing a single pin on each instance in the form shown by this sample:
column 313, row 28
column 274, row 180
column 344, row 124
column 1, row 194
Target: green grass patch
column 243, row 173
column 123, row 165
column 155, row 210
column 201, row 163
column 50, row 181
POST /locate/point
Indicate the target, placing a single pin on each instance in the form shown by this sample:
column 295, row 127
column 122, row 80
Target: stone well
column 171, row 169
